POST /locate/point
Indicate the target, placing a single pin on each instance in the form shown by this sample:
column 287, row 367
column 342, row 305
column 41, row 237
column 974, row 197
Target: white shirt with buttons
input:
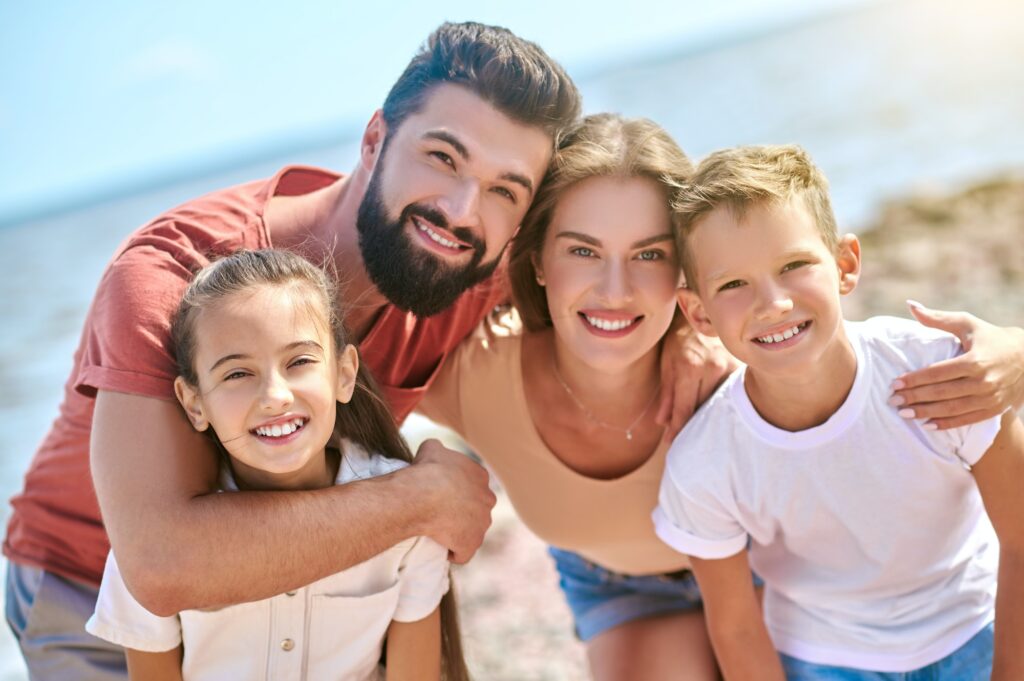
column 331, row 629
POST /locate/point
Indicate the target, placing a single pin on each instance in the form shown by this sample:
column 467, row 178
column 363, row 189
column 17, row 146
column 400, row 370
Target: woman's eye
column 582, row 251
column 650, row 255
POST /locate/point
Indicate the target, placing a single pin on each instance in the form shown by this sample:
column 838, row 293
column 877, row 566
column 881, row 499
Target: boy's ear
column 188, row 396
column 348, row 369
column 693, row 308
column 373, row 140
column 848, row 260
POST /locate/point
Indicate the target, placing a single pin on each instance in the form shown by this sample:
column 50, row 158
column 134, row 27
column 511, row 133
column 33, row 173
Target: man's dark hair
column 513, row 75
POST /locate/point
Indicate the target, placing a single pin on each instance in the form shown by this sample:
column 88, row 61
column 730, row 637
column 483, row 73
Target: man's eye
column 506, row 193
column 444, row 158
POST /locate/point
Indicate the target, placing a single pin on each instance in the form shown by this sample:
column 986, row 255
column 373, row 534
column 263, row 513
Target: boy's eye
column 735, row 283
column 793, row 265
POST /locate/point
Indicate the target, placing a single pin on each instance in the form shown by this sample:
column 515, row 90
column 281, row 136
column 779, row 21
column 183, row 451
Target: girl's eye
column 299, row 361
column 650, row 255
column 582, row 251
column 235, row 375
column 735, row 283
column 444, row 158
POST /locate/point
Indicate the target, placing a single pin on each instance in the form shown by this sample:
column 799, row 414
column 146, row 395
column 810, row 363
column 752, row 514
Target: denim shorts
column 601, row 599
column 970, row 662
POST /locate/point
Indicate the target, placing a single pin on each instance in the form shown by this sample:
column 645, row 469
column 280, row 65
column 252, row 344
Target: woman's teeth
column 280, row 429
column 785, row 335
column 607, row 324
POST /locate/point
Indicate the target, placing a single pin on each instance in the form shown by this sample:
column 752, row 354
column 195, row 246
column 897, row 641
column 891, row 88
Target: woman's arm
column 979, row 384
column 1000, row 477
column 414, row 649
column 181, row 547
column 165, row 666
column 735, row 624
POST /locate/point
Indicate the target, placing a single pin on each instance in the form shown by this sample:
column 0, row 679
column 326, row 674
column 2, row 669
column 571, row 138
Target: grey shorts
column 47, row 615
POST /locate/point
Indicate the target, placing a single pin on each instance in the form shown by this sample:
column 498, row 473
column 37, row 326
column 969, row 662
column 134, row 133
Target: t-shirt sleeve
column 126, row 341
column 122, row 620
column 423, row 579
column 693, row 515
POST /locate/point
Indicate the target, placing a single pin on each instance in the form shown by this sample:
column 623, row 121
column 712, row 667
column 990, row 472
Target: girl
column 266, row 369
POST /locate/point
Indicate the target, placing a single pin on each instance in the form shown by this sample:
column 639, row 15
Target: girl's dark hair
column 365, row 419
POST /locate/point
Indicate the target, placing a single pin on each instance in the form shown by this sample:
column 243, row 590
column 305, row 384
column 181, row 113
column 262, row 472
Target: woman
column 563, row 409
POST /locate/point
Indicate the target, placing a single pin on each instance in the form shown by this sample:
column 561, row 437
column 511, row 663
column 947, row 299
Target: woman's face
column 610, row 270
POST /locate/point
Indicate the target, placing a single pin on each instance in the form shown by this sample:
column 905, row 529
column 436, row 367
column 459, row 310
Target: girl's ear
column 691, row 305
column 348, row 369
column 188, row 396
column 848, row 260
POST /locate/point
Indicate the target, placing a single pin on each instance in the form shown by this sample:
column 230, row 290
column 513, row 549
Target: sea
column 889, row 97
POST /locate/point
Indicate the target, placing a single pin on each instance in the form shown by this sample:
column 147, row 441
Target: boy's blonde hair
column 742, row 177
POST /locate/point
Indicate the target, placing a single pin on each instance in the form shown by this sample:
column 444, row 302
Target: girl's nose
column 277, row 394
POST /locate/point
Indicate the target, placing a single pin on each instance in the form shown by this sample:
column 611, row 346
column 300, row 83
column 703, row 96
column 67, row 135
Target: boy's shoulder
column 904, row 343
column 712, row 426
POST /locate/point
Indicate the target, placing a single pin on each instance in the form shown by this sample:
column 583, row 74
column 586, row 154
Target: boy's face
column 768, row 286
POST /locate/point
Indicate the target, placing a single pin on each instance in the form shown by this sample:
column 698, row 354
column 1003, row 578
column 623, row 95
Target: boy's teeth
column 779, row 337
column 435, row 236
column 280, row 429
column 607, row 324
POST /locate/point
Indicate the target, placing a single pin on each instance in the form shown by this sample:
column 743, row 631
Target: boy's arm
column 733, row 614
column 165, row 666
column 181, row 547
column 1000, row 477
column 414, row 649
column 979, row 384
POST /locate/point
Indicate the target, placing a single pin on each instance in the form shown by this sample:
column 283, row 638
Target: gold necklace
column 590, row 415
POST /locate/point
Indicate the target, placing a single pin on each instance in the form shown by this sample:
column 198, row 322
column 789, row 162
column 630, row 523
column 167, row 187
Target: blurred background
column 111, row 112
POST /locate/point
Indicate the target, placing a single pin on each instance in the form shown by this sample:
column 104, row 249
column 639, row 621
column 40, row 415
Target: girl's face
column 610, row 270
column 269, row 380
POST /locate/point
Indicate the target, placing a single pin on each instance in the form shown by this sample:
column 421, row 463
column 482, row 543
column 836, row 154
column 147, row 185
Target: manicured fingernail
column 906, row 413
column 896, row 400
column 898, row 385
column 914, row 303
column 930, row 426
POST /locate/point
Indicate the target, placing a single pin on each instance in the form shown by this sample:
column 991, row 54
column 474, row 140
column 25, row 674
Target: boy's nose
column 773, row 302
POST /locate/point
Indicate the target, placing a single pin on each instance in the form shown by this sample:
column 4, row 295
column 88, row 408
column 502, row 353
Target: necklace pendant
column 629, row 435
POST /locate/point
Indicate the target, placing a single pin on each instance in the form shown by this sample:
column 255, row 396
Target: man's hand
column 979, row 384
column 692, row 367
column 460, row 512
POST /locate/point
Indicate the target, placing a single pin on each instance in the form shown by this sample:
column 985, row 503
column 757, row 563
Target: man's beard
column 412, row 278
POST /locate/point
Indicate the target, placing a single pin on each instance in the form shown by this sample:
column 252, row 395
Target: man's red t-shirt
column 125, row 348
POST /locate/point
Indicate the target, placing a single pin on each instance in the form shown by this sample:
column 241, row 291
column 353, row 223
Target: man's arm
column 735, row 624
column 181, row 547
column 1000, row 477
column 979, row 384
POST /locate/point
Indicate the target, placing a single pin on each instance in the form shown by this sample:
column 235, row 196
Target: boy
column 867, row 528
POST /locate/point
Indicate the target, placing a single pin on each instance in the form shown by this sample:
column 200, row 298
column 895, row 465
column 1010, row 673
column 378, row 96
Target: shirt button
column 290, row 593
column 287, row 644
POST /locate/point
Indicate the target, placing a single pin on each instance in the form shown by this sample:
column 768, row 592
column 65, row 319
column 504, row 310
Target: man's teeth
column 607, row 324
column 447, row 243
column 280, row 429
column 779, row 337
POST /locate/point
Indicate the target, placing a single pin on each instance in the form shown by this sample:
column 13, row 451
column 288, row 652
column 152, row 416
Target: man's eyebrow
column 460, row 148
column 448, row 138
column 312, row 345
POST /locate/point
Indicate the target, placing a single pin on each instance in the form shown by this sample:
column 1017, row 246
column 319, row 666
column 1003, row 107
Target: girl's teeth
column 279, row 430
column 607, row 324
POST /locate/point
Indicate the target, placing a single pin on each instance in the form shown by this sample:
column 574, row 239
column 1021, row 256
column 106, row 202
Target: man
column 446, row 172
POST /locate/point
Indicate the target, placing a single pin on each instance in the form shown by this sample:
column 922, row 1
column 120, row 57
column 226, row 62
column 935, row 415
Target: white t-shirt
column 868, row 530
column 331, row 629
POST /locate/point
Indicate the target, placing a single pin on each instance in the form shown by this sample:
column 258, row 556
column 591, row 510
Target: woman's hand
column 981, row 383
column 692, row 367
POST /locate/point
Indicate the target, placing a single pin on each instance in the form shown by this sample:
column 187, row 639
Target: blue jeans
column 601, row 599
column 970, row 662
column 47, row 614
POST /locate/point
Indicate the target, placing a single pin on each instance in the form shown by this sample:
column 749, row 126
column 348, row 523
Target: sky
column 93, row 94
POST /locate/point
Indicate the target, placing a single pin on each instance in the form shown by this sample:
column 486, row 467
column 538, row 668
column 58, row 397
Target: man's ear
column 188, row 396
column 373, row 140
column 691, row 305
column 348, row 369
column 848, row 260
